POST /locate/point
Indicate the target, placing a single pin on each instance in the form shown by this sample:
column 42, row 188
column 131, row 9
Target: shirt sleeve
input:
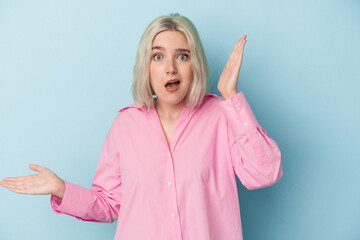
column 102, row 202
column 256, row 157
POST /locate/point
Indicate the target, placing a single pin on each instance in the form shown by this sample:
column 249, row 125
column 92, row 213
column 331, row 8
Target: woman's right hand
column 45, row 182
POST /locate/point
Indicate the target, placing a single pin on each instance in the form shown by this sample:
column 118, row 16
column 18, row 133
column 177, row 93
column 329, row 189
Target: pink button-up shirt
column 185, row 191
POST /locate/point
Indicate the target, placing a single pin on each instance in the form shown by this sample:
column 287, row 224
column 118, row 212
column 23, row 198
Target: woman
column 166, row 170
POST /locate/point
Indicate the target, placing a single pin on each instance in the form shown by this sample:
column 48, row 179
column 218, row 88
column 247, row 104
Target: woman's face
column 170, row 61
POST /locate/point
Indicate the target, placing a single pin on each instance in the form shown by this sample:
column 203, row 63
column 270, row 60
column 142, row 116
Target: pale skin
column 47, row 182
column 171, row 59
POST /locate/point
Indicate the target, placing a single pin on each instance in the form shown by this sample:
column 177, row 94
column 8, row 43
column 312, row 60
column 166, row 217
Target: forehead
column 170, row 40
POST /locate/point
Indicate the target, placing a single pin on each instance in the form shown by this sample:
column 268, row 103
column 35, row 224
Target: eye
column 157, row 57
column 183, row 57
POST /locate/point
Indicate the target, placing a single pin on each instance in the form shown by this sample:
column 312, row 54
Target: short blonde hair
column 141, row 88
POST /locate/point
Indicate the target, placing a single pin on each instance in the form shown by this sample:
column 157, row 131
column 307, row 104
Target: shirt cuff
column 239, row 115
column 74, row 202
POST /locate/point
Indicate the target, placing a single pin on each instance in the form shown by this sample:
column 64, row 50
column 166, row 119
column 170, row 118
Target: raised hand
column 45, row 182
column 228, row 80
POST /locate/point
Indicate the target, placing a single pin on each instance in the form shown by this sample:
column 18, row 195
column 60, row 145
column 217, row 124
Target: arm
column 255, row 156
column 102, row 202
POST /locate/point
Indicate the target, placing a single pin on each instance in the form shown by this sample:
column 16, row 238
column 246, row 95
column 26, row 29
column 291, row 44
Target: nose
column 171, row 68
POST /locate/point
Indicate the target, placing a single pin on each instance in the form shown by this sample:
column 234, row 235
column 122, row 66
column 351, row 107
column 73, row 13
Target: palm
column 228, row 80
column 42, row 183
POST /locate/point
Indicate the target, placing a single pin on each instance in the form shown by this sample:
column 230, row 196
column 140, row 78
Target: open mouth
column 172, row 84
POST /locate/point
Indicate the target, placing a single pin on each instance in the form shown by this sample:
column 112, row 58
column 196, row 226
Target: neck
column 169, row 112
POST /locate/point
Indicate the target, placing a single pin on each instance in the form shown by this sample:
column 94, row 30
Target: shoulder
column 211, row 100
column 210, row 96
column 210, row 107
column 130, row 113
column 132, row 107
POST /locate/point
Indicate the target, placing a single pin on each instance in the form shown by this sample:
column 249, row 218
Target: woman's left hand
column 228, row 80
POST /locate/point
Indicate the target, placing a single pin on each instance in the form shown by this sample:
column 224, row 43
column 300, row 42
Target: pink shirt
column 184, row 191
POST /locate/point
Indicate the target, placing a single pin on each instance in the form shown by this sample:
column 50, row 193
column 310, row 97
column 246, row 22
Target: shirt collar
column 186, row 109
column 132, row 106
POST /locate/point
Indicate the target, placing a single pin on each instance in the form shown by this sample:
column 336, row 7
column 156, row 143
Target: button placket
column 171, row 196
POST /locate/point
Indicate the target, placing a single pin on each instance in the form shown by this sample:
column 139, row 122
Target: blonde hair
column 142, row 91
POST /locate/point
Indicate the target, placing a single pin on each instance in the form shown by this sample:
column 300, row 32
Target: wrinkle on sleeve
column 102, row 202
column 255, row 156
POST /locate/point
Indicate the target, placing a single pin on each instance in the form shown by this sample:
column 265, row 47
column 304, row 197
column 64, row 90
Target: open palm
column 228, row 80
column 45, row 182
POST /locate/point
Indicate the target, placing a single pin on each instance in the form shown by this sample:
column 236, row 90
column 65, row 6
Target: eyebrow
column 177, row 50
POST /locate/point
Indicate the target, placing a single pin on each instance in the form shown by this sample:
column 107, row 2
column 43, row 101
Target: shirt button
column 172, row 214
column 238, row 108
column 169, row 154
column 245, row 124
column 169, row 183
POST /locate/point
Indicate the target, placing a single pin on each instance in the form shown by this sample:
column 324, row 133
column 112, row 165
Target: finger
column 12, row 184
column 241, row 42
column 13, row 179
column 19, row 187
column 240, row 47
column 25, row 189
column 19, row 181
column 36, row 167
column 243, row 38
column 235, row 57
column 21, row 190
column 236, row 53
column 243, row 45
column 235, row 50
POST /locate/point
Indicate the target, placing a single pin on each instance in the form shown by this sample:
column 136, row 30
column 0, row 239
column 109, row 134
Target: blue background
column 66, row 69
